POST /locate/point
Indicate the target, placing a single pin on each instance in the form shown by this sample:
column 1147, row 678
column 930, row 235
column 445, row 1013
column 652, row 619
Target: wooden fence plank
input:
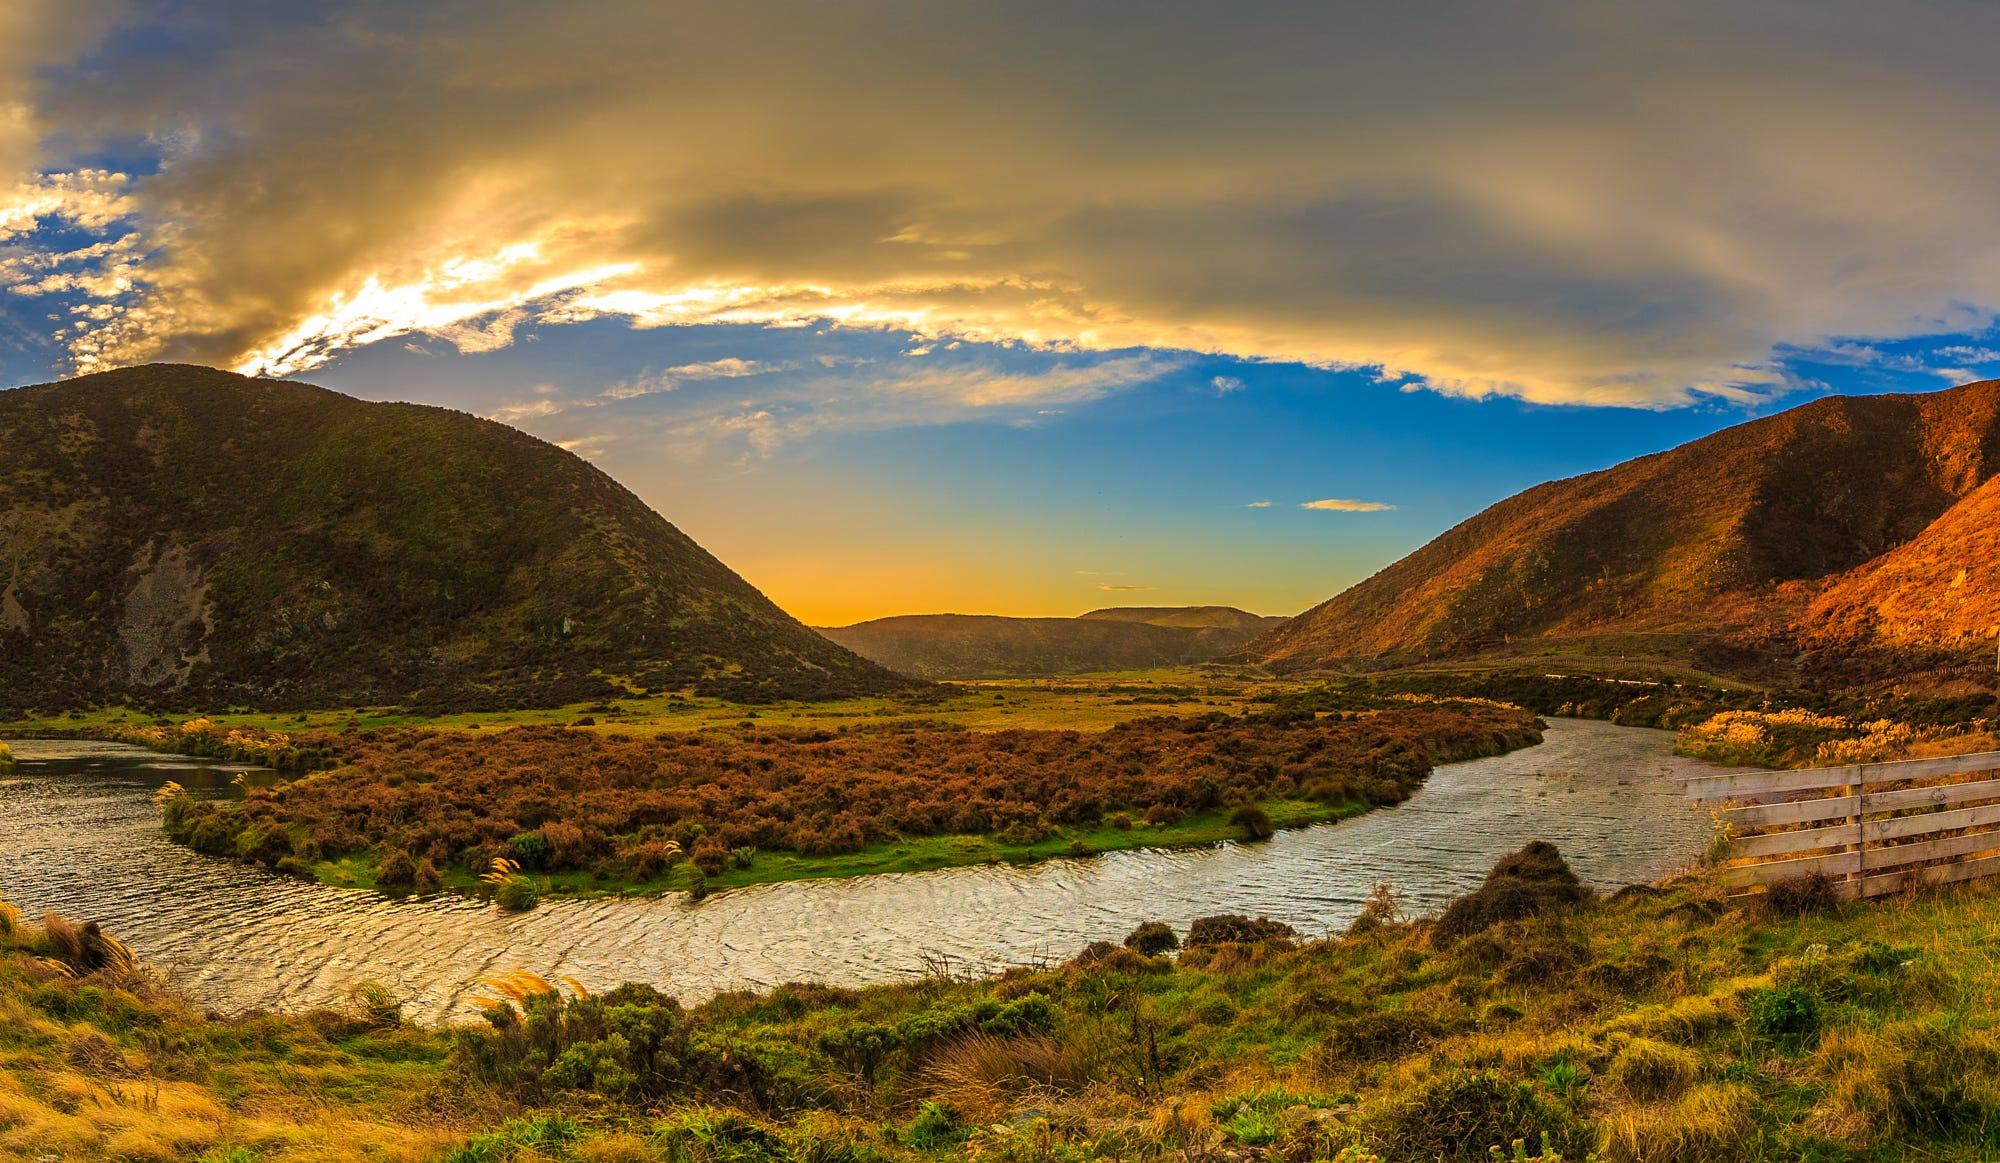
column 1756, row 785
column 1882, row 883
column 1766, row 785
column 1771, row 872
column 1889, row 856
column 1797, row 811
column 1801, row 840
column 1926, row 823
column 1889, row 771
column 1930, row 797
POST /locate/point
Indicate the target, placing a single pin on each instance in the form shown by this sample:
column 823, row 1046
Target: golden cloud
column 1571, row 208
column 1338, row 505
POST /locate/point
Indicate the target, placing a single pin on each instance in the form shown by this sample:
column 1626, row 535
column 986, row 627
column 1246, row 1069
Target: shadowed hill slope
column 940, row 646
column 188, row 537
column 1730, row 535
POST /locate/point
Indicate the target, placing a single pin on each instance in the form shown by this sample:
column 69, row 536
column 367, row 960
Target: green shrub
column 532, row 1138
column 936, row 1126
column 1255, row 822
column 529, row 849
column 1789, row 1015
column 518, row 894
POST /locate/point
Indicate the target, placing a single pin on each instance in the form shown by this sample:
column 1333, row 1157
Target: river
column 78, row 835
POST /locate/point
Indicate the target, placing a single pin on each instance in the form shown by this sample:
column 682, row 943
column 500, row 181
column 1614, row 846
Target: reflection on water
column 77, row 834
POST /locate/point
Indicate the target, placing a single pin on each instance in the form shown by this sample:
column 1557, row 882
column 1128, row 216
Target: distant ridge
column 946, row 646
column 1849, row 523
column 184, row 536
column 1189, row 617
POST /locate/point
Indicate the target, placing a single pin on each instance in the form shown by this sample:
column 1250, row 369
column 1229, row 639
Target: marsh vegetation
column 585, row 808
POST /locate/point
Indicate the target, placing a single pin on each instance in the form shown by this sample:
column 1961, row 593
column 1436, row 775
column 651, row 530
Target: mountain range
column 947, row 646
column 1849, row 526
column 180, row 536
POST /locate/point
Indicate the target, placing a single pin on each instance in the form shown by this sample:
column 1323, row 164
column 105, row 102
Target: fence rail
column 1873, row 828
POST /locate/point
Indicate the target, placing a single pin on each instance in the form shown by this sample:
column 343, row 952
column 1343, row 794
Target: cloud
column 1709, row 182
column 1226, row 384
column 652, row 383
column 1258, row 505
column 1109, row 587
column 746, row 410
column 529, row 410
column 1338, row 505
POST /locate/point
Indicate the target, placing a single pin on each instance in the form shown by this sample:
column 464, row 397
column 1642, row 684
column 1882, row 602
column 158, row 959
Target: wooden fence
column 1873, row 828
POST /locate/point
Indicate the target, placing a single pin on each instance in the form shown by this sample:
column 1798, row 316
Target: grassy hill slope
column 1940, row 588
column 185, row 536
column 1730, row 535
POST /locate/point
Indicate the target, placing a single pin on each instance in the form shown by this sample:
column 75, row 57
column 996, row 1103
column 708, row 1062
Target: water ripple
column 79, row 836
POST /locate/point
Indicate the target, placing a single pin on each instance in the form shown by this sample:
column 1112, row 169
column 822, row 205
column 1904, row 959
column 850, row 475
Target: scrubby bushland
column 556, row 799
column 1784, row 727
column 1647, row 1026
column 1660, row 701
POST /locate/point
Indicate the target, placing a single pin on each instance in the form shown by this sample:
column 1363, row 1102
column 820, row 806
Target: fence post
column 1861, row 827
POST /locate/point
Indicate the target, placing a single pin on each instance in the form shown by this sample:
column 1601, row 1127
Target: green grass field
column 1082, row 703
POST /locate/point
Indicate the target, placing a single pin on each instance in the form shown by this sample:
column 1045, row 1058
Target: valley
column 971, row 646
column 854, row 898
column 667, row 582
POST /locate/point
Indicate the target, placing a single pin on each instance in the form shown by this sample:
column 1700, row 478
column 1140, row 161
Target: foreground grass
column 1654, row 1026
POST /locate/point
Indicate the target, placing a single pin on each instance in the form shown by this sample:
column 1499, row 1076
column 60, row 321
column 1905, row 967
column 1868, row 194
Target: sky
column 1020, row 308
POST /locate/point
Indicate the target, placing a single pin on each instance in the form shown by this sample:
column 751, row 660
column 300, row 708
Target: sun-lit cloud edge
column 1342, row 505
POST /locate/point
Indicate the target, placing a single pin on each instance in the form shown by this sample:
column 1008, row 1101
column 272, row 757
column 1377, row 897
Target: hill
column 182, row 536
column 1189, row 617
column 1725, row 540
column 942, row 646
column 1942, row 588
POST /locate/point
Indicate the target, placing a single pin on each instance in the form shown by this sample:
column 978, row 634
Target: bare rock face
column 168, row 618
column 14, row 616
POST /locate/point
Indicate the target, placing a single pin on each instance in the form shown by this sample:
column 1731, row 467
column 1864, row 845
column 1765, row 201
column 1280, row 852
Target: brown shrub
column 457, row 796
column 1522, row 884
column 1233, row 928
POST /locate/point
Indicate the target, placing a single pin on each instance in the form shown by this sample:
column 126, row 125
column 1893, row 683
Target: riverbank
column 913, row 854
column 1655, row 1024
column 89, row 843
column 587, row 813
